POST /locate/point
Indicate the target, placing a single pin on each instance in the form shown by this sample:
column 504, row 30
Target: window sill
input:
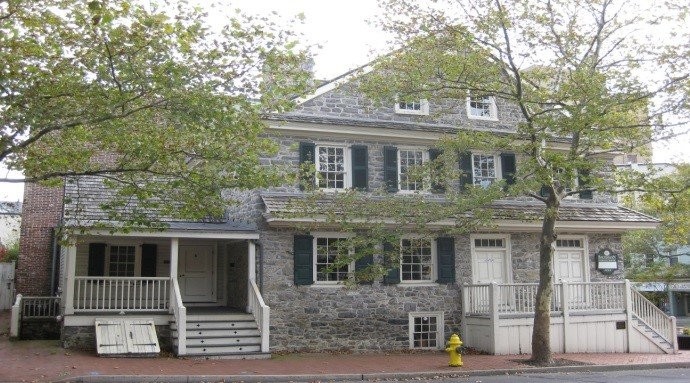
column 417, row 284
column 495, row 119
column 319, row 285
column 412, row 192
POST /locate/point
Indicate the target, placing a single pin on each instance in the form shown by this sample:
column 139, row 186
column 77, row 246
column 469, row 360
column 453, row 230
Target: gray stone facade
column 84, row 337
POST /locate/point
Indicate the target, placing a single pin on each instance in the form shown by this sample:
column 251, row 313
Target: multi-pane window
column 121, row 261
column 407, row 160
column 416, row 260
column 420, row 107
column 483, row 169
column 489, row 242
column 576, row 243
column 413, row 105
column 426, row 330
column 330, row 164
column 481, row 107
column 327, row 252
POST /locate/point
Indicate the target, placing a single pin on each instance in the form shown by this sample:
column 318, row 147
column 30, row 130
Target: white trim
column 440, row 328
column 423, row 107
column 89, row 319
column 335, row 83
column 434, row 261
column 172, row 234
column 493, row 110
column 425, row 159
column 347, row 165
column 508, row 259
column 328, row 235
column 498, row 169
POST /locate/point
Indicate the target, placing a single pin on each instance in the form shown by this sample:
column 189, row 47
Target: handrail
column 261, row 313
column 180, row 313
column 653, row 317
column 39, row 307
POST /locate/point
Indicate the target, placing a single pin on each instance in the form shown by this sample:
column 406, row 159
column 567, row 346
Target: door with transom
column 569, row 266
column 491, row 264
column 196, row 273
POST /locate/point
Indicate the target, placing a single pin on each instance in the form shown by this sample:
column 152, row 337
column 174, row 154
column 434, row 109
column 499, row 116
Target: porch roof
column 282, row 209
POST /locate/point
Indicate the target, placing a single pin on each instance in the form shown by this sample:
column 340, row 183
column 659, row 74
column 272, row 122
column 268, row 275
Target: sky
column 347, row 40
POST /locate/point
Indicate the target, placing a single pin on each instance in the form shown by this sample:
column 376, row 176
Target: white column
column 494, row 298
column 251, row 272
column 628, row 312
column 70, row 269
column 174, row 256
column 565, row 303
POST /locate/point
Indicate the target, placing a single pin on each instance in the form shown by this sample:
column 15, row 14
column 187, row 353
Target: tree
column 576, row 70
column 160, row 105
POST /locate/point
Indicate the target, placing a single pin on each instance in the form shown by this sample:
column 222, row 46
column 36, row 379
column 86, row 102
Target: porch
column 586, row 317
column 166, row 276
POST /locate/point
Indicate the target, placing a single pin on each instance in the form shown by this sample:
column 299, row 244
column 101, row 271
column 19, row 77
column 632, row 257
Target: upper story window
column 420, row 107
column 331, row 165
column 408, row 159
column 326, row 253
column 482, row 107
column 416, row 260
column 485, row 169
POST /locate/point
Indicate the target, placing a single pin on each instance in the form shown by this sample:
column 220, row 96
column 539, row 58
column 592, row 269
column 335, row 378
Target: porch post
column 71, row 269
column 251, row 271
column 628, row 312
column 174, row 256
column 494, row 298
column 565, row 309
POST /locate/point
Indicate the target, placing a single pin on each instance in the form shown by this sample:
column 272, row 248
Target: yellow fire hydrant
column 453, row 350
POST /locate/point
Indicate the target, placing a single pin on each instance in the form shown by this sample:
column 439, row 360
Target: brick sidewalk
column 42, row 361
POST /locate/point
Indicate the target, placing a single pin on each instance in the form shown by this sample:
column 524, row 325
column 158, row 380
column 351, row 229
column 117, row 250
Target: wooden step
column 219, row 342
column 224, row 350
column 191, row 326
column 219, row 333
column 219, row 317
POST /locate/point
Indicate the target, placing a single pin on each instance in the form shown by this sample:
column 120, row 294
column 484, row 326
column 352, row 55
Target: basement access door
column 126, row 337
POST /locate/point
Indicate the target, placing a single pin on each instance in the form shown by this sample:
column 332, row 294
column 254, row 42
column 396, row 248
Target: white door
column 196, row 276
column 569, row 266
column 490, row 266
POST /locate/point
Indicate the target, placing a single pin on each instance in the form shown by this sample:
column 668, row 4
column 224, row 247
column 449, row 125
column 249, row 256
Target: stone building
column 255, row 282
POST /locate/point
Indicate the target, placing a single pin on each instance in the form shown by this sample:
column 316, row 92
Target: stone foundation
column 84, row 337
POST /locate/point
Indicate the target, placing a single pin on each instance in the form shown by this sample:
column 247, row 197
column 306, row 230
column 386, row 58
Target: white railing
column 136, row 294
column 262, row 313
column 653, row 317
column 16, row 319
column 518, row 299
column 40, row 308
column 180, row 313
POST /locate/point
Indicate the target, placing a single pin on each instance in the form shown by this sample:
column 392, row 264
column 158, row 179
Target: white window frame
column 137, row 257
column 347, row 172
column 584, row 240
column 329, row 235
column 508, row 261
column 425, row 159
column 422, row 111
column 498, row 171
column 440, row 328
column 493, row 111
column 434, row 261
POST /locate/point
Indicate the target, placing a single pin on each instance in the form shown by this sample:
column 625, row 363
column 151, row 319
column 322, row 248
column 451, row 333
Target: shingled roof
column 280, row 205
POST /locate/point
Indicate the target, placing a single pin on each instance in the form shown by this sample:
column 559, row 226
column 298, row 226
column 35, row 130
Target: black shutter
column 306, row 155
column 393, row 274
column 583, row 183
column 149, row 259
column 465, row 170
column 96, row 259
column 363, row 262
column 445, row 251
column 390, row 168
column 437, row 184
column 360, row 167
column 508, row 167
column 304, row 265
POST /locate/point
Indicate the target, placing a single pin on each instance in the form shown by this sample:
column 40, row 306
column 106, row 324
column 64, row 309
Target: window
column 416, row 260
column 572, row 243
column 426, row 330
column 484, row 169
column 481, row 107
column 407, row 159
column 326, row 253
column 419, row 107
column 121, row 261
column 330, row 166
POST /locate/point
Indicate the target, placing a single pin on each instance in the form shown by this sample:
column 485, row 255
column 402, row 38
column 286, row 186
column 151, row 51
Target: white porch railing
column 262, row 313
column 110, row 294
column 180, row 313
column 653, row 317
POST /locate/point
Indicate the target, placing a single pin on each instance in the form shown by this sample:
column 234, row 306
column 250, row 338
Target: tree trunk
column 541, row 337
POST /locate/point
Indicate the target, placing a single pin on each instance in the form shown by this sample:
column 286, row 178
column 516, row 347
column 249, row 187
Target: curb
column 362, row 377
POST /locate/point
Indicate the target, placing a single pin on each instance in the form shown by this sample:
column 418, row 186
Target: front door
column 569, row 266
column 196, row 277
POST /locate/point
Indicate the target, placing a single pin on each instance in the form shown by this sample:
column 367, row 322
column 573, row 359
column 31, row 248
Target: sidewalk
column 45, row 361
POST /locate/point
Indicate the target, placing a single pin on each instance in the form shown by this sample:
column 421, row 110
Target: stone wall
column 84, row 337
column 375, row 316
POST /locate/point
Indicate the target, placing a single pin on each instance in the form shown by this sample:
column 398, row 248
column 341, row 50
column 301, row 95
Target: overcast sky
column 347, row 40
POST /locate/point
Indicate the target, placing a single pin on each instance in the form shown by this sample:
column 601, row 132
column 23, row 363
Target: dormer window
column 419, row 107
column 482, row 107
